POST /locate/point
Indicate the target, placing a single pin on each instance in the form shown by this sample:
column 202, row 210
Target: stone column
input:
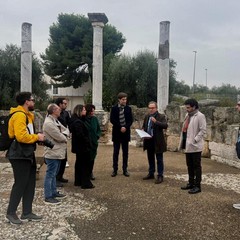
column 163, row 67
column 26, row 58
column 98, row 21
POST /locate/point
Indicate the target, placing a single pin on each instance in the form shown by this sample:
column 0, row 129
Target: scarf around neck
column 121, row 115
column 187, row 121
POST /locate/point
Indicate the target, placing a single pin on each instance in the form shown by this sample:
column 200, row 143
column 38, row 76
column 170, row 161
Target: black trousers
column 116, row 149
column 151, row 158
column 82, row 170
column 193, row 161
column 61, row 168
column 93, row 156
column 24, row 172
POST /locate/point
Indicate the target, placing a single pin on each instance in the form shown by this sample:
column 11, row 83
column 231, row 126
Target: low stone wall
column 222, row 126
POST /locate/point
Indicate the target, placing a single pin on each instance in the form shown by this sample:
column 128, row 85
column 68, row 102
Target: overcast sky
column 210, row 27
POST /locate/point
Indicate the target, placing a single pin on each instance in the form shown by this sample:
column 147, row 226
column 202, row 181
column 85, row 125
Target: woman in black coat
column 81, row 145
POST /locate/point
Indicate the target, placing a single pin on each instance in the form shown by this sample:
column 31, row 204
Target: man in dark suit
column 64, row 119
column 153, row 124
column 121, row 119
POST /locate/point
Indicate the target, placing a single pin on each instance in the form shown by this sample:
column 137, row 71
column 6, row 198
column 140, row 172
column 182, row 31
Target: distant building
column 73, row 95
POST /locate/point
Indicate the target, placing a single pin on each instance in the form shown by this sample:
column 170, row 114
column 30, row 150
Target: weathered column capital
column 98, row 18
column 98, row 24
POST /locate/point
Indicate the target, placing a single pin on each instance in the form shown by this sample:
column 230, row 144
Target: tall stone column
column 98, row 21
column 163, row 67
column 26, row 58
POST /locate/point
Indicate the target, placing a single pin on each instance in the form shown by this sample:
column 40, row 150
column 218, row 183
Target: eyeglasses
column 151, row 107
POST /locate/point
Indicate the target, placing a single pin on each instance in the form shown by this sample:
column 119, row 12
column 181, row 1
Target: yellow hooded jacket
column 17, row 126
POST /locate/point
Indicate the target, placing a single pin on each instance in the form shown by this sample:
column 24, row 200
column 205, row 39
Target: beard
column 31, row 108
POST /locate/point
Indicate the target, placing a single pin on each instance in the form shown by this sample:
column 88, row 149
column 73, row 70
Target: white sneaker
column 237, row 205
column 67, row 164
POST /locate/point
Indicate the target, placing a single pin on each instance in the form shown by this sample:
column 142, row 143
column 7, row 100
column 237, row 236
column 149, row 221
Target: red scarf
column 186, row 123
column 187, row 120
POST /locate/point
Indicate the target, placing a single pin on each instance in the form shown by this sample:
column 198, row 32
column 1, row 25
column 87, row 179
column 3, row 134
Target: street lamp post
column 206, row 76
column 194, row 68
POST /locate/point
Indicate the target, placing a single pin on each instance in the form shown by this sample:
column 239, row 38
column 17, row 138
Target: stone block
column 173, row 113
column 206, row 151
column 208, row 133
column 103, row 118
column 172, row 143
column 223, row 151
column 208, row 112
column 224, row 133
column 225, row 115
column 174, row 128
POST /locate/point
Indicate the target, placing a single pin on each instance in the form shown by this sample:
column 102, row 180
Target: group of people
column 57, row 126
column 154, row 124
column 192, row 140
column 85, row 132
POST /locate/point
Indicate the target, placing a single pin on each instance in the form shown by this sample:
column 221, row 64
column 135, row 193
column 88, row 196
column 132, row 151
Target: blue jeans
column 50, row 188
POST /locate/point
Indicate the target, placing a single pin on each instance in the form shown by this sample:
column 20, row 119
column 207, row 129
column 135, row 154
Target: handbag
column 238, row 144
column 22, row 151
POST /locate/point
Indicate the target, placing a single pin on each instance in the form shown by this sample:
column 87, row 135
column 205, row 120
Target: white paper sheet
column 143, row 134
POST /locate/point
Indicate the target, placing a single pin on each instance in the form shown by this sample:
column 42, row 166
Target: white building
column 73, row 95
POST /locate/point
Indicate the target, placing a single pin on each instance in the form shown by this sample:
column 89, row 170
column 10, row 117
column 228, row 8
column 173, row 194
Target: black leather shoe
column 114, row 174
column 63, row 180
column 187, row 187
column 159, row 180
column 126, row 174
column 194, row 190
column 149, row 176
column 88, row 186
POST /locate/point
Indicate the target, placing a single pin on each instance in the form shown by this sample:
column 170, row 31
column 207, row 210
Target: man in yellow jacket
column 22, row 158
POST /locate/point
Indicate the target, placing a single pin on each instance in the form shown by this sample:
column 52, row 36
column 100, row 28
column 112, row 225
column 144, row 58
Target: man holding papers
column 153, row 124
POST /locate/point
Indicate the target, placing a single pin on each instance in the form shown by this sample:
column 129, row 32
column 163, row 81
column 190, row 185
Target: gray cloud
column 209, row 27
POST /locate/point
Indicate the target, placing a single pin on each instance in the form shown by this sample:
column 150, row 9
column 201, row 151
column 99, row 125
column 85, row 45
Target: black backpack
column 5, row 141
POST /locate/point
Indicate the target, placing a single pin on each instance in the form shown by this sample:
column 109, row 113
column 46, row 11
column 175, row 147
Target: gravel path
column 123, row 208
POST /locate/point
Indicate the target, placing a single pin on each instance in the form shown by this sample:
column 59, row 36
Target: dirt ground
column 138, row 209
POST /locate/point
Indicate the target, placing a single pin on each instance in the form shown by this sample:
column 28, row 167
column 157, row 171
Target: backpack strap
column 26, row 118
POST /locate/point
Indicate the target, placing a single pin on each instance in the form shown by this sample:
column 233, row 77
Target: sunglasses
column 32, row 99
